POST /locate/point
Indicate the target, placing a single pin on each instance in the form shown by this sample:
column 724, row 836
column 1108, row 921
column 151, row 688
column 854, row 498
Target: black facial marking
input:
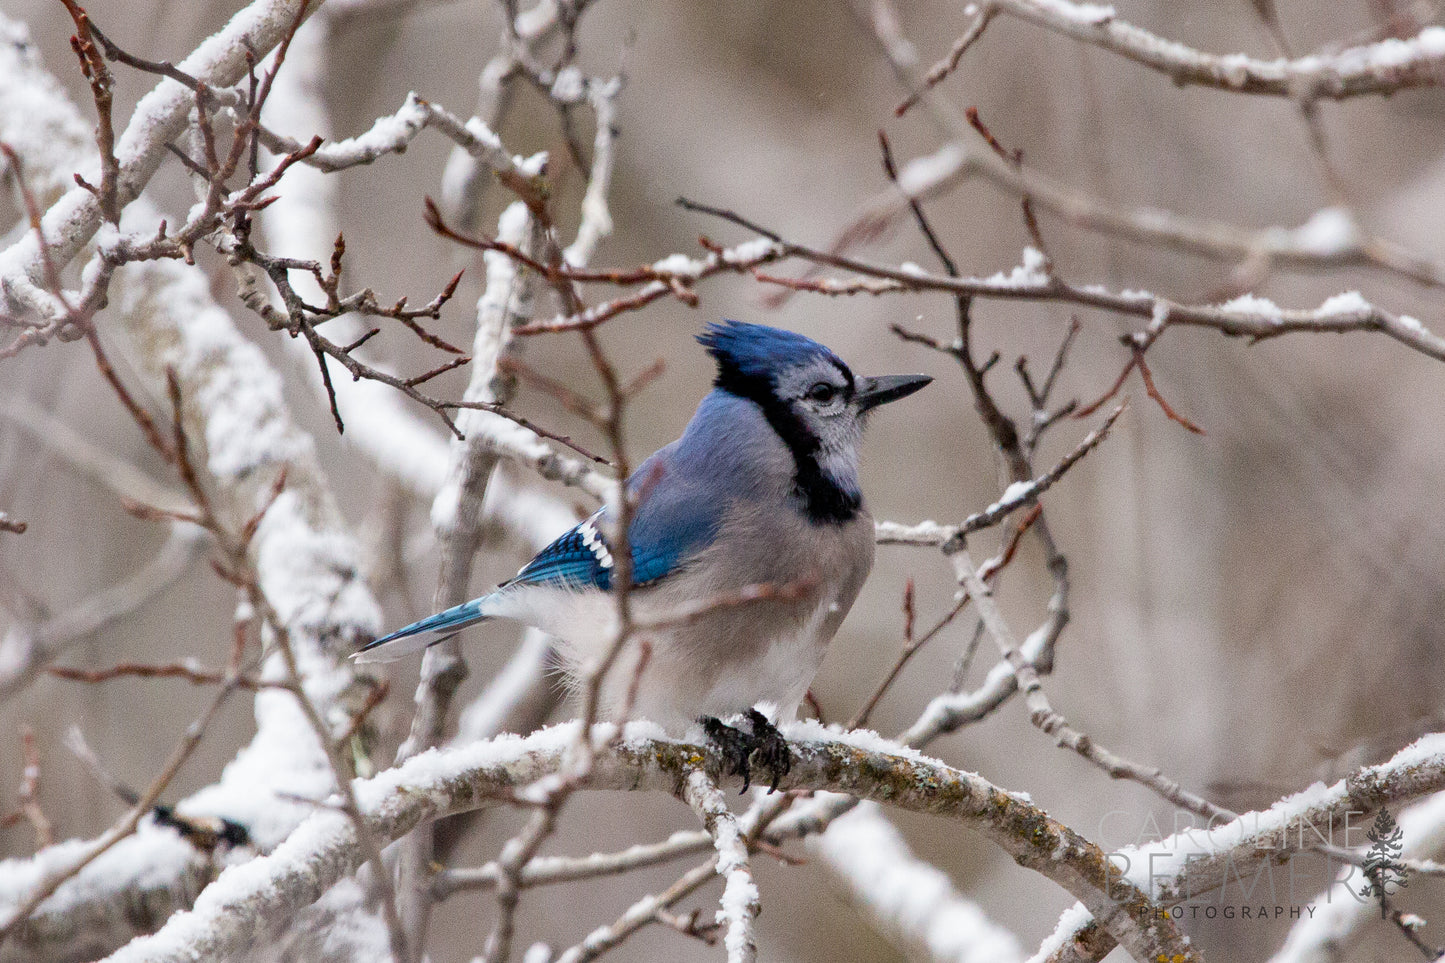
column 847, row 376
column 824, row 501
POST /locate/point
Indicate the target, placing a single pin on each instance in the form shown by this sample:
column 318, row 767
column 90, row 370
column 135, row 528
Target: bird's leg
column 734, row 745
column 771, row 747
column 737, row 748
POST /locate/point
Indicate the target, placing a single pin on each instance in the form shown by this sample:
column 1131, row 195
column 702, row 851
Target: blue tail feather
column 419, row 635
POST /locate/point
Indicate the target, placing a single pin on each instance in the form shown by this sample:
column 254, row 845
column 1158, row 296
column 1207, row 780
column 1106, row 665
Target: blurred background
column 1253, row 609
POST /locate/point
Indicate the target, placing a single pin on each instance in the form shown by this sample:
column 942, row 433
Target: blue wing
column 680, row 494
column 675, row 518
column 580, row 558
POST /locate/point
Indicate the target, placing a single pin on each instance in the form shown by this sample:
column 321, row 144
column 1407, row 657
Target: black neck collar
column 822, row 499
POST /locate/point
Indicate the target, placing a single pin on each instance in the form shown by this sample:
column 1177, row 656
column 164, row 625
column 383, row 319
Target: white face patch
column 794, row 385
column 593, row 541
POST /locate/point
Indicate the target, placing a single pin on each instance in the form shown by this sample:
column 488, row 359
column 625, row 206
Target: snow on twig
column 247, row 901
column 740, row 900
column 906, row 898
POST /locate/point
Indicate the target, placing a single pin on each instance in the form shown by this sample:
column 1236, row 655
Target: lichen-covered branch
column 245, row 903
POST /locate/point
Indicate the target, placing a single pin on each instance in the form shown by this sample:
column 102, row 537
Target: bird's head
column 810, row 397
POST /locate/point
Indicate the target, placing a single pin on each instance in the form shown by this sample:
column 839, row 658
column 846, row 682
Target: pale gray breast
column 811, row 565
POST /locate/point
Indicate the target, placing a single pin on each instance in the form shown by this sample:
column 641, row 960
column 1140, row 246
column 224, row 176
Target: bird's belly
column 720, row 661
column 735, row 659
column 777, row 680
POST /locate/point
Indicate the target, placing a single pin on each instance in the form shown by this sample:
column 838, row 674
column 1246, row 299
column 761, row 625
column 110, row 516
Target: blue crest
column 748, row 352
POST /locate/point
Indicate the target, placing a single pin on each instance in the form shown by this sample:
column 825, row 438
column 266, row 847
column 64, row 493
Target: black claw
column 771, row 747
column 734, row 745
column 737, row 748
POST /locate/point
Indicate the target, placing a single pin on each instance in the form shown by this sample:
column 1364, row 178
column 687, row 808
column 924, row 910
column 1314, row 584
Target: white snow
column 925, row 531
column 1291, row 816
column 752, row 251
column 427, row 771
column 907, row 897
column 1391, row 54
column 153, row 857
column 1329, row 231
column 1255, row 305
column 736, row 907
column 532, row 166
column 681, row 265
column 1029, row 274
column 488, row 137
column 568, row 86
column 1016, row 491
column 1085, row 14
column 1427, row 751
column 386, row 133
column 810, row 730
column 1333, row 917
column 512, row 225
column 1350, row 302
column 1235, row 68
column 1070, row 922
column 924, row 173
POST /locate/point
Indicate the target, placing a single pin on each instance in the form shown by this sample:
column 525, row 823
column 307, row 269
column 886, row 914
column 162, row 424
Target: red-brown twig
column 28, row 795
column 440, row 369
column 1015, row 159
column 127, row 824
column 910, row 648
column 138, row 414
column 1159, row 398
column 949, row 64
column 193, row 674
column 1136, row 360
column 530, row 425
column 47, row 260
column 1098, row 403
column 97, row 74
column 559, row 391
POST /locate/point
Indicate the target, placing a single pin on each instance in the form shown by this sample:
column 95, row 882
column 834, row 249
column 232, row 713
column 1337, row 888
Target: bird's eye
column 822, row 392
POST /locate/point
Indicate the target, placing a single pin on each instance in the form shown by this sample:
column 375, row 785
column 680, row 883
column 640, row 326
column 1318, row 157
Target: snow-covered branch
column 1334, row 922
column 168, row 326
column 246, row 902
column 1331, row 237
column 1199, row 860
column 740, row 899
column 1034, row 279
column 159, row 118
column 906, row 898
column 306, row 879
column 1382, row 67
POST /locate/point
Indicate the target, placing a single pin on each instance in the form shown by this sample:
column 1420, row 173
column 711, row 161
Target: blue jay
column 760, row 490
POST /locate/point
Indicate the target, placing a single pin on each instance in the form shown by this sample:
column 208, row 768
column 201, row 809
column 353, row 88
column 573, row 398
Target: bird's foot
column 774, row 757
column 738, row 748
column 734, row 745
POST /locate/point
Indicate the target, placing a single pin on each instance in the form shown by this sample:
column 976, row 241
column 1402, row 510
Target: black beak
column 872, row 392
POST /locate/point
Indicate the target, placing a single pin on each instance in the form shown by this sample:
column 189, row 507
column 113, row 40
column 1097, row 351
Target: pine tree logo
column 1384, row 873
